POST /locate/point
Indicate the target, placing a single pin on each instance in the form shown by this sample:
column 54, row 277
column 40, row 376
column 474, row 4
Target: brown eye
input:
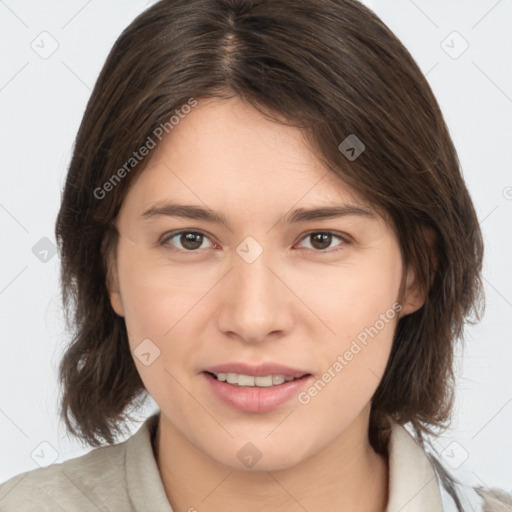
column 322, row 240
column 189, row 240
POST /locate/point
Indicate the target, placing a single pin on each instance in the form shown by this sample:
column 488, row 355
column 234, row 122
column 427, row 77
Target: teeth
column 251, row 381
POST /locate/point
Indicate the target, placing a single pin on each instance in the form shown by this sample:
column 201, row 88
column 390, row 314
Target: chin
column 259, row 456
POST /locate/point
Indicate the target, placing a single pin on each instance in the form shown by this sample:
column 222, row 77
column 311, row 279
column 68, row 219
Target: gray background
column 42, row 99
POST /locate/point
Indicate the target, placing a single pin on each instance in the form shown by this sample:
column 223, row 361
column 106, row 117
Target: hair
column 329, row 67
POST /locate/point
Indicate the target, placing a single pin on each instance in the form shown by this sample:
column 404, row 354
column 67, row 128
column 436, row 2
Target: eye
column 189, row 240
column 321, row 240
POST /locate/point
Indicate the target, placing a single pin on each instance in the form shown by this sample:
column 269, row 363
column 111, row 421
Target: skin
column 298, row 304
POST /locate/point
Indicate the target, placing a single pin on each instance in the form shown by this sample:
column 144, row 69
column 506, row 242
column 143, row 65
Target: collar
column 143, row 481
column 413, row 485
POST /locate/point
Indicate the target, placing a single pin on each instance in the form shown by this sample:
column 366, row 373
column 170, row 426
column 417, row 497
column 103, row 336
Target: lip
column 255, row 399
column 261, row 370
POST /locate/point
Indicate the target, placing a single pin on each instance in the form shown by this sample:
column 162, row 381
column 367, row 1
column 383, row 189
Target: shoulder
column 459, row 495
column 495, row 500
column 412, row 472
column 107, row 478
column 475, row 498
column 88, row 482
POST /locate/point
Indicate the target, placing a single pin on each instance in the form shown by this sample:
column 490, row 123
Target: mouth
column 258, row 390
column 251, row 381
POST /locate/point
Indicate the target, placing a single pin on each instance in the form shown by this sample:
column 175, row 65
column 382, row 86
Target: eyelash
column 343, row 238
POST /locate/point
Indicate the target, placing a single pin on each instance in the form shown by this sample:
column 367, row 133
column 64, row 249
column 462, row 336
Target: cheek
column 160, row 319
column 354, row 297
column 164, row 304
column 157, row 296
column 158, row 311
column 360, row 307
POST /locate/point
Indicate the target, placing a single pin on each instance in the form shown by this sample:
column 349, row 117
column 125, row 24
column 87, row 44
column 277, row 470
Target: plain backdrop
column 52, row 53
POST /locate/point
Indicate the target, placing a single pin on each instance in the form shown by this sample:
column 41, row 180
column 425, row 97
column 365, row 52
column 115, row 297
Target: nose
column 255, row 302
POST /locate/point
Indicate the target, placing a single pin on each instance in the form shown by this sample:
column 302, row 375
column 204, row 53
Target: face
column 265, row 295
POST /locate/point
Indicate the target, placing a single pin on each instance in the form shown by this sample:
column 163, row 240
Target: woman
column 264, row 227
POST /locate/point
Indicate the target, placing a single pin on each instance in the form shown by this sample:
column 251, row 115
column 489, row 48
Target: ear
column 112, row 279
column 413, row 298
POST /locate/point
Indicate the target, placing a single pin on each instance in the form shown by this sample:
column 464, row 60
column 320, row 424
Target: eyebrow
column 169, row 209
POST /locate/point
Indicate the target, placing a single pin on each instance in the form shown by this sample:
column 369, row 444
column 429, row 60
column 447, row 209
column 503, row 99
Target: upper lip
column 257, row 371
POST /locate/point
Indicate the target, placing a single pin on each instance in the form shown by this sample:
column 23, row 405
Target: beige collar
column 413, row 485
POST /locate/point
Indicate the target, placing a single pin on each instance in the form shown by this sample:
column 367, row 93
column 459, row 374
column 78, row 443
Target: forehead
column 225, row 153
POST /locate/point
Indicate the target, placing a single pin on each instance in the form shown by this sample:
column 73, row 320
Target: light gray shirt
column 125, row 477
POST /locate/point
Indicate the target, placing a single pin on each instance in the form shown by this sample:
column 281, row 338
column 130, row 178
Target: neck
column 347, row 475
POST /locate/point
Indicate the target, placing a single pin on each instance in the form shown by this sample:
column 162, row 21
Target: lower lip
column 255, row 399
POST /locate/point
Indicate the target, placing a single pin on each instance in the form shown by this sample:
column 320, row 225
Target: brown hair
column 330, row 67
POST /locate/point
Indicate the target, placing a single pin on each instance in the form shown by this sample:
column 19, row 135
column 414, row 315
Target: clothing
column 125, row 477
